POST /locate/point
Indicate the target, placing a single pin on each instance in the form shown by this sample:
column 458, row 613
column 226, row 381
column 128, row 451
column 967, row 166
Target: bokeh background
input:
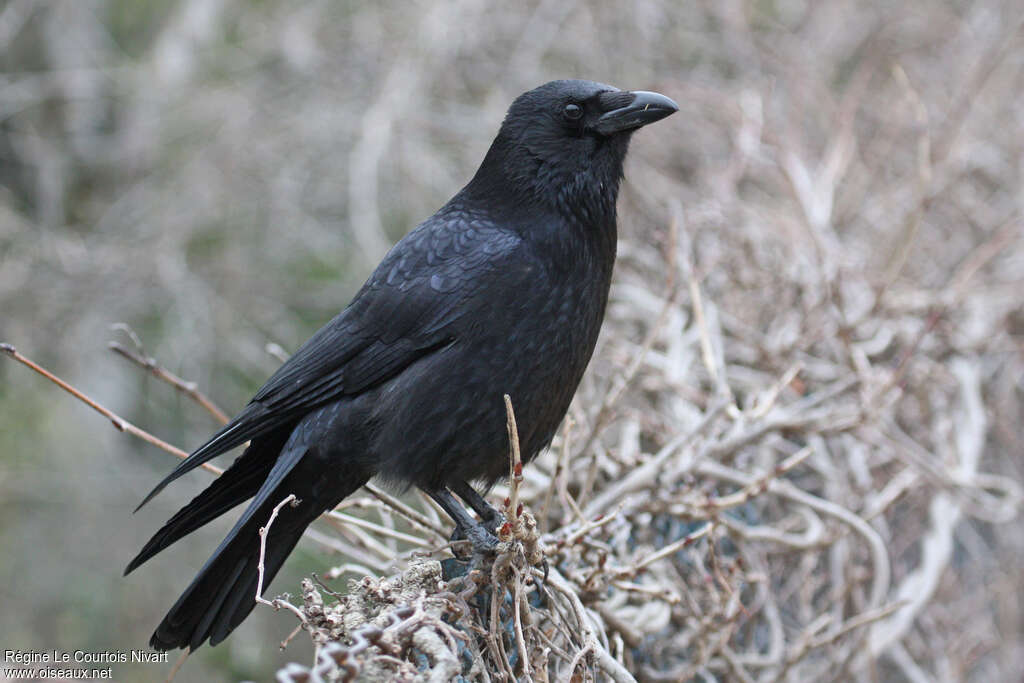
column 221, row 175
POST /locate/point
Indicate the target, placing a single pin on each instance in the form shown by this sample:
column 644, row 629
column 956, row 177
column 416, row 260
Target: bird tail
column 224, row 591
column 234, row 433
column 237, row 484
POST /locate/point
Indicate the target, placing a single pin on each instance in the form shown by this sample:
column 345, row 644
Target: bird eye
column 572, row 112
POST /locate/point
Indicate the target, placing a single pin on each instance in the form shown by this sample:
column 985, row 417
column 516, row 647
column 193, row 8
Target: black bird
column 502, row 291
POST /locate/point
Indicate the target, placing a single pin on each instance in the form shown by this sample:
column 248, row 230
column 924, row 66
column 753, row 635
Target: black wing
column 407, row 309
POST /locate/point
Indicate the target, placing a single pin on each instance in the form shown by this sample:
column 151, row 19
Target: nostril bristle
column 615, row 99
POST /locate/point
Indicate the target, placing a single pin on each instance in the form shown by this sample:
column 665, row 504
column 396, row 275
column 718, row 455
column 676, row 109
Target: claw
column 493, row 522
column 483, row 541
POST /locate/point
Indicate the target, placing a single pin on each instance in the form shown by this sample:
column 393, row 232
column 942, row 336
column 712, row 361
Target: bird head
column 565, row 142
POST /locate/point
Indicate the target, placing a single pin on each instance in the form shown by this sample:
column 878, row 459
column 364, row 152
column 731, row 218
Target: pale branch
column 119, row 423
column 190, row 389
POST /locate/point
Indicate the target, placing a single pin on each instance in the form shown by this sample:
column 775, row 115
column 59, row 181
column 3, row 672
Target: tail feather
column 241, row 597
column 224, row 592
column 202, row 629
column 237, row 484
column 249, row 424
column 215, row 602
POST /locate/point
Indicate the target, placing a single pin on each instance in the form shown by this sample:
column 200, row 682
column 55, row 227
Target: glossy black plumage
column 503, row 290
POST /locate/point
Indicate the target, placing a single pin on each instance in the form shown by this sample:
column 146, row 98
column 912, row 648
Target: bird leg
column 465, row 526
column 492, row 519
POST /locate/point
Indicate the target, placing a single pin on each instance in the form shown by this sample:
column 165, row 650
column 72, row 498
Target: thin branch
column 190, row 389
column 515, row 462
column 276, row 603
column 120, row 424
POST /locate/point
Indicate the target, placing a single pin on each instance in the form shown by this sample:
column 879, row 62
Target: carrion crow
column 502, row 291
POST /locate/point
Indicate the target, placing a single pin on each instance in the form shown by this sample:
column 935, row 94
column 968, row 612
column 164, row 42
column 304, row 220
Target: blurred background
column 221, row 175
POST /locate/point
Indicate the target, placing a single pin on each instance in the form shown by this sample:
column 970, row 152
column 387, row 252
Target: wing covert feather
column 409, row 307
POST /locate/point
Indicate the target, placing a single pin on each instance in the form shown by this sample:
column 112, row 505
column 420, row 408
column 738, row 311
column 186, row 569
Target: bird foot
column 492, row 523
column 481, row 537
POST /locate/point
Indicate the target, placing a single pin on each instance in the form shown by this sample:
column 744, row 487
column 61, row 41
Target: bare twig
column 120, row 424
column 190, row 389
column 276, row 603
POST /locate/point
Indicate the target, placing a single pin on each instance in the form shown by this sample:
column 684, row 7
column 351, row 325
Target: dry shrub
column 797, row 453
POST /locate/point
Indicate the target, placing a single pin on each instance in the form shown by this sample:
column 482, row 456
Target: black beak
column 645, row 107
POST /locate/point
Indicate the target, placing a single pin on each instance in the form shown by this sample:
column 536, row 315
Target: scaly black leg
column 492, row 519
column 465, row 526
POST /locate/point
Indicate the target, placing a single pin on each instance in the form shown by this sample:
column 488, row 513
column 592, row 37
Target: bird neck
column 525, row 185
